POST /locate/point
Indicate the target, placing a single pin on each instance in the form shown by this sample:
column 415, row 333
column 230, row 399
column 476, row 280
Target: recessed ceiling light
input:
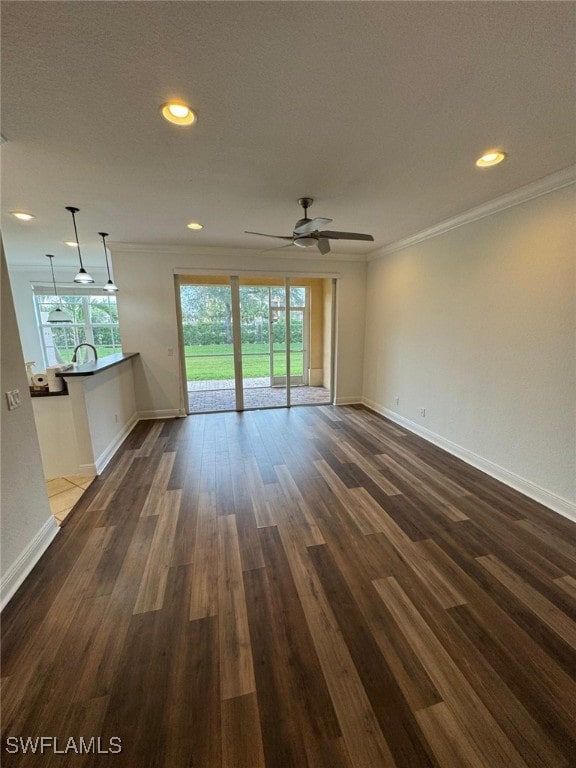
column 71, row 243
column 22, row 215
column 492, row 157
column 195, row 225
column 178, row 113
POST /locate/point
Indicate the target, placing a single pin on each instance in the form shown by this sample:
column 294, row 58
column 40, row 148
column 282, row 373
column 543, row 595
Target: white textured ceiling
column 376, row 109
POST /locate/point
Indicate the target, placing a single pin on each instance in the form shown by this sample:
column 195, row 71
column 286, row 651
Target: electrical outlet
column 170, row 351
column 422, row 411
column 396, row 401
column 13, row 398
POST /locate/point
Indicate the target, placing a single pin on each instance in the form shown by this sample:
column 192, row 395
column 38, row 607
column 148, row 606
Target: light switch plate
column 13, row 398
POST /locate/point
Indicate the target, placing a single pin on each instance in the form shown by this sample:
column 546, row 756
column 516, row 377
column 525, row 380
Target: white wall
column 148, row 322
column 111, row 409
column 27, row 525
column 478, row 326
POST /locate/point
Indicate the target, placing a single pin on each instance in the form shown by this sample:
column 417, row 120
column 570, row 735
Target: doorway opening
column 255, row 342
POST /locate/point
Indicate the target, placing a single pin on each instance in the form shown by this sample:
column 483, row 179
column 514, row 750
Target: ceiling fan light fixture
column 492, row 157
column 178, row 113
column 305, row 242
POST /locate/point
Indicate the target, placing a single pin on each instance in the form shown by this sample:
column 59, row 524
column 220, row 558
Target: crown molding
column 296, row 255
column 40, row 269
column 554, row 181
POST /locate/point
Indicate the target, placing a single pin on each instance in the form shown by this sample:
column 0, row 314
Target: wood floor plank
column 151, row 439
column 303, row 517
column 241, row 736
column 568, row 584
column 114, row 479
column 158, row 484
column 257, row 492
column 153, row 584
column 236, row 667
column 204, row 598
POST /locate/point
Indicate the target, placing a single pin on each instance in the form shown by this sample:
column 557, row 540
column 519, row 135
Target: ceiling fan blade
column 344, row 235
column 311, row 226
column 323, row 245
column 263, row 234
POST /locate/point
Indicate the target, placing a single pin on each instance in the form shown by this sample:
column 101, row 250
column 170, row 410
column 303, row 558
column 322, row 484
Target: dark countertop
column 102, row 364
column 46, row 393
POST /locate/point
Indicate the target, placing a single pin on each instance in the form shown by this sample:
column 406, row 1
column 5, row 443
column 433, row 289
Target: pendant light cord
column 104, row 235
column 50, row 256
column 76, row 235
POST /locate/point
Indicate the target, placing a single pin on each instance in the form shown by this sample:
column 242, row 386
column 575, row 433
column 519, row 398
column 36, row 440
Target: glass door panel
column 207, row 329
column 261, row 332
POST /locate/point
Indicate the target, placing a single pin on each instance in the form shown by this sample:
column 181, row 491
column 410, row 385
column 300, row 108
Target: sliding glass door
column 255, row 342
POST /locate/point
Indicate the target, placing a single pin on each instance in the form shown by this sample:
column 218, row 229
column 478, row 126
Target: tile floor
column 64, row 492
column 206, row 396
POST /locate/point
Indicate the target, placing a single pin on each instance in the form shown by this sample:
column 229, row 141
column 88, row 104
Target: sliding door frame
column 234, row 278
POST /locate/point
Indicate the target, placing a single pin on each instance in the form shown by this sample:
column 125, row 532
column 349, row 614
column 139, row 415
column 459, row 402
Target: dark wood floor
column 312, row 587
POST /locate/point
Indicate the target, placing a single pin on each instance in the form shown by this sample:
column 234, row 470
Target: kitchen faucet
column 84, row 344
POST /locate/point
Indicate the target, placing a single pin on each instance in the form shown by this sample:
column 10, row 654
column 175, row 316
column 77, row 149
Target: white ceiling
column 378, row 110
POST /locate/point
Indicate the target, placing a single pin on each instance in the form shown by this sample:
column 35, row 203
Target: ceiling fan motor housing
column 306, row 241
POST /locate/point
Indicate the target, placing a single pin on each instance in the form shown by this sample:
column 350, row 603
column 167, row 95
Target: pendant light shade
column 110, row 286
column 82, row 277
column 57, row 315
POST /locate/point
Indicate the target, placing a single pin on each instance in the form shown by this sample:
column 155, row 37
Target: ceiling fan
column 308, row 233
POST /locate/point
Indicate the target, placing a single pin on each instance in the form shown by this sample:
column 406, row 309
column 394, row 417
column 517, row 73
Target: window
column 94, row 320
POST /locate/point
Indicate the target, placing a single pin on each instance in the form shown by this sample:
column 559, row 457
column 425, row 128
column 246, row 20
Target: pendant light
column 82, row 277
column 57, row 315
column 110, row 286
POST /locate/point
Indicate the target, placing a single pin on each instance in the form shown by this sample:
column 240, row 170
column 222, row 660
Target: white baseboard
column 348, row 400
column 21, row 567
column 549, row 499
column 169, row 413
column 108, row 453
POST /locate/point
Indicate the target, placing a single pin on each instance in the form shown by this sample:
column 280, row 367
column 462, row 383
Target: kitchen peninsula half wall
column 80, row 432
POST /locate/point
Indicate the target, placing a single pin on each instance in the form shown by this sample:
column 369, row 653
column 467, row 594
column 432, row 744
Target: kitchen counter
column 102, row 364
column 80, row 433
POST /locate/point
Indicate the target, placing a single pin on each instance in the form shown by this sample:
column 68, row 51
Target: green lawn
column 66, row 354
column 216, row 361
